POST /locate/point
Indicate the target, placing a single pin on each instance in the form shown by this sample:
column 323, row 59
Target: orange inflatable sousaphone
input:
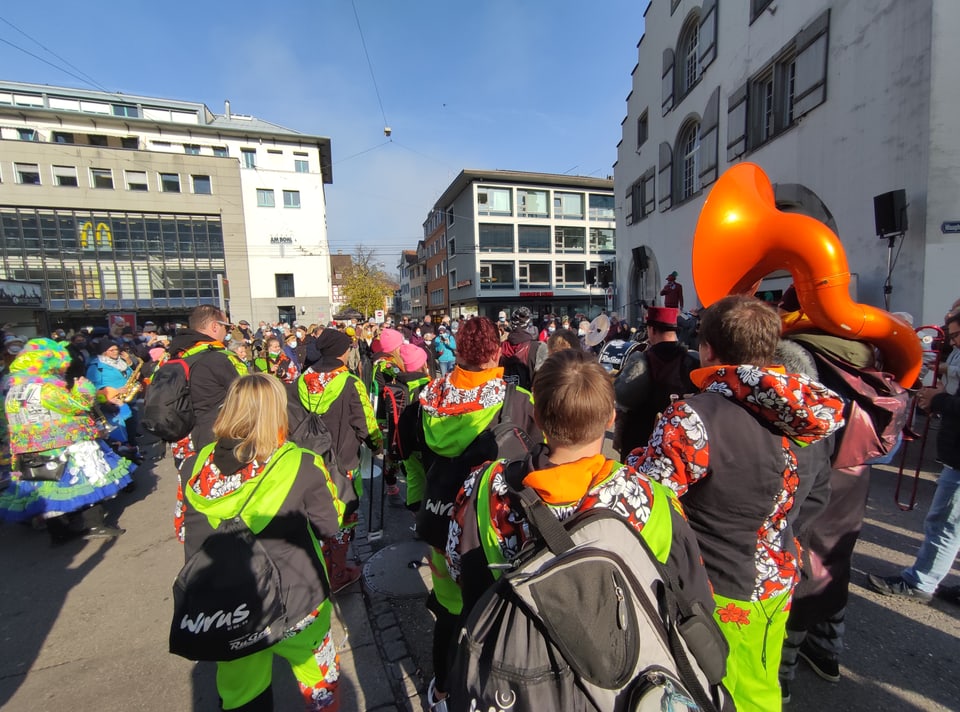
column 741, row 237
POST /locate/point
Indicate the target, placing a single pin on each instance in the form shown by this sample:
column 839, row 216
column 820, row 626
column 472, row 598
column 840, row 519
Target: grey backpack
column 587, row 619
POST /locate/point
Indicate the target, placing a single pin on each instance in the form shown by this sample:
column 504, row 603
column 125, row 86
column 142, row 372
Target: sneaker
column 785, row 691
column 393, row 490
column 433, row 703
column 821, row 663
column 896, row 586
column 949, row 593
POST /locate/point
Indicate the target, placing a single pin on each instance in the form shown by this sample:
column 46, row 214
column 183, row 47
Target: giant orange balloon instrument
column 741, row 237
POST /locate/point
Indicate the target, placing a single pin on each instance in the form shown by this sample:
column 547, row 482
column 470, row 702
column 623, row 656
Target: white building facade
column 838, row 102
column 533, row 239
column 117, row 202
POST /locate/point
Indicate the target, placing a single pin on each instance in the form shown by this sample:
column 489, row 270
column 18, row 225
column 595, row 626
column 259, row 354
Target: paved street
column 83, row 626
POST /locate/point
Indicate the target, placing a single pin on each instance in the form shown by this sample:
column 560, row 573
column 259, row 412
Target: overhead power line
column 80, row 75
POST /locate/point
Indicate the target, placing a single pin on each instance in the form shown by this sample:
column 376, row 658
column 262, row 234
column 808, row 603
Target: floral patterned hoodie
column 729, row 452
column 43, row 414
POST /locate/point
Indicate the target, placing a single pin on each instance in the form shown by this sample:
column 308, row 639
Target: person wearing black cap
column 328, row 389
column 649, row 378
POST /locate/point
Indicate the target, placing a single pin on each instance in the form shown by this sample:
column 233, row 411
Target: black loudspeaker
column 640, row 259
column 591, row 276
column 890, row 213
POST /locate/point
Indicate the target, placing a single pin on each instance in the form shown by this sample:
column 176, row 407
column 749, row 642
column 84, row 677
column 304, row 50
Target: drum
column 614, row 354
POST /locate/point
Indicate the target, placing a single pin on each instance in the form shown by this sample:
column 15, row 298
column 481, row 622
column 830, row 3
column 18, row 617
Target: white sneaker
column 432, row 703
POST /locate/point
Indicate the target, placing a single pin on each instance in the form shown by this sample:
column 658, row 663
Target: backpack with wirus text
column 227, row 598
column 587, row 619
column 503, row 439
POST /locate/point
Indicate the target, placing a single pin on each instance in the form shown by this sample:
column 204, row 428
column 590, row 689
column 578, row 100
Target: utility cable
column 370, row 65
column 88, row 80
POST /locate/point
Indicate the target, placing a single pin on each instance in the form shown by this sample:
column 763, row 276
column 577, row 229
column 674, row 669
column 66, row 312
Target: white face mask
column 292, row 344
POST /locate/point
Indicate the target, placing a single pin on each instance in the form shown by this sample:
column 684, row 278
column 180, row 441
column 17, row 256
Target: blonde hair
column 573, row 397
column 255, row 413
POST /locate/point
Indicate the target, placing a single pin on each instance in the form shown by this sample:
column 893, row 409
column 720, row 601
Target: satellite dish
column 597, row 331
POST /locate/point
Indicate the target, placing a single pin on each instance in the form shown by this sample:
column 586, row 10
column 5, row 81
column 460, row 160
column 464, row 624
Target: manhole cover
column 399, row 570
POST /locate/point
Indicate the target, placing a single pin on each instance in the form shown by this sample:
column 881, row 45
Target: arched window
column 688, row 56
column 688, row 161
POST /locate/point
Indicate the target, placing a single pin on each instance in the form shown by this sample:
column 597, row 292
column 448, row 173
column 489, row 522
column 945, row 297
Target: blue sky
column 502, row 84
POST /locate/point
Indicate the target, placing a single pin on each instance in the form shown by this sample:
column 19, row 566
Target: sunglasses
column 225, row 324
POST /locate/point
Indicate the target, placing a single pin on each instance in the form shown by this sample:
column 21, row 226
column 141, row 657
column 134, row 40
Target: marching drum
column 614, row 354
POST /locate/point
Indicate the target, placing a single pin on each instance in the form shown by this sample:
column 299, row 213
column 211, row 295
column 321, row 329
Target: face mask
column 299, row 334
column 292, row 344
column 551, row 329
column 273, row 355
column 418, row 332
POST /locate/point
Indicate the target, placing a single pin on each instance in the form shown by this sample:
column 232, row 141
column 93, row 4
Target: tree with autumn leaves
column 366, row 285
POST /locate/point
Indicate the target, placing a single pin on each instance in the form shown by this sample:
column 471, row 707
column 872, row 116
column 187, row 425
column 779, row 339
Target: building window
column 131, row 112
column 301, row 165
column 101, row 178
column 688, row 157
column 601, row 207
column 568, row 206
column 65, row 176
column 451, row 247
column 191, row 149
column 756, row 7
column 569, row 239
column 61, row 137
column 169, row 182
column 533, row 238
column 534, row 274
column 96, row 139
column 201, row 185
column 496, row 238
column 220, row 151
column 494, row 201
column 496, row 275
column 603, row 239
column 533, row 203
column 265, row 198
column 642, row 196
column 643, row 130
column 570, row 274
column 27, row 173
column 284, row 286
column 689, row 56
column 26, row 134
column 291, row 198
column 450, row 216
column 129, row 142
column 136, row 181
column 772, row 98
column 249, row 156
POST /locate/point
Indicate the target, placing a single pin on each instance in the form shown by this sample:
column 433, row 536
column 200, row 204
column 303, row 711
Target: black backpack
column 227, row 598
column 503, row 439
column 518, row 363
column 587, row 619
column 167, row 407
column 308, row 431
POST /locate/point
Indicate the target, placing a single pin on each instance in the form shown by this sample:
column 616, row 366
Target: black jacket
column 948, row 439
column 211, row 374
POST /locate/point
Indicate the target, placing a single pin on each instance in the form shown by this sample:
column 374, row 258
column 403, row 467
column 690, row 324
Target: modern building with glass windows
column 839, row 103
column 536, row 239
column 116, row 202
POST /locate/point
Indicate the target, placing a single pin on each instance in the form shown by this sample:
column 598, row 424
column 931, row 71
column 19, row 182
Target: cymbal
column 597, row 331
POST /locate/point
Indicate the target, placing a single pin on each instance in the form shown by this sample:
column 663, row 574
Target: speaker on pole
column 640, row 258
column 890, row 213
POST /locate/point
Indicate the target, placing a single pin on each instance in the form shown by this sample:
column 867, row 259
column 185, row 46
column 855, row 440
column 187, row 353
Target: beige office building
column 120, row 203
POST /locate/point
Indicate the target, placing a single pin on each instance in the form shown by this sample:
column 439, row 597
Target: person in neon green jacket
column 293, row 504
column 452, row 411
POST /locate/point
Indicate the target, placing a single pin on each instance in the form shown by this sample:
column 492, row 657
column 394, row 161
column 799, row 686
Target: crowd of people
column 715, row 449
